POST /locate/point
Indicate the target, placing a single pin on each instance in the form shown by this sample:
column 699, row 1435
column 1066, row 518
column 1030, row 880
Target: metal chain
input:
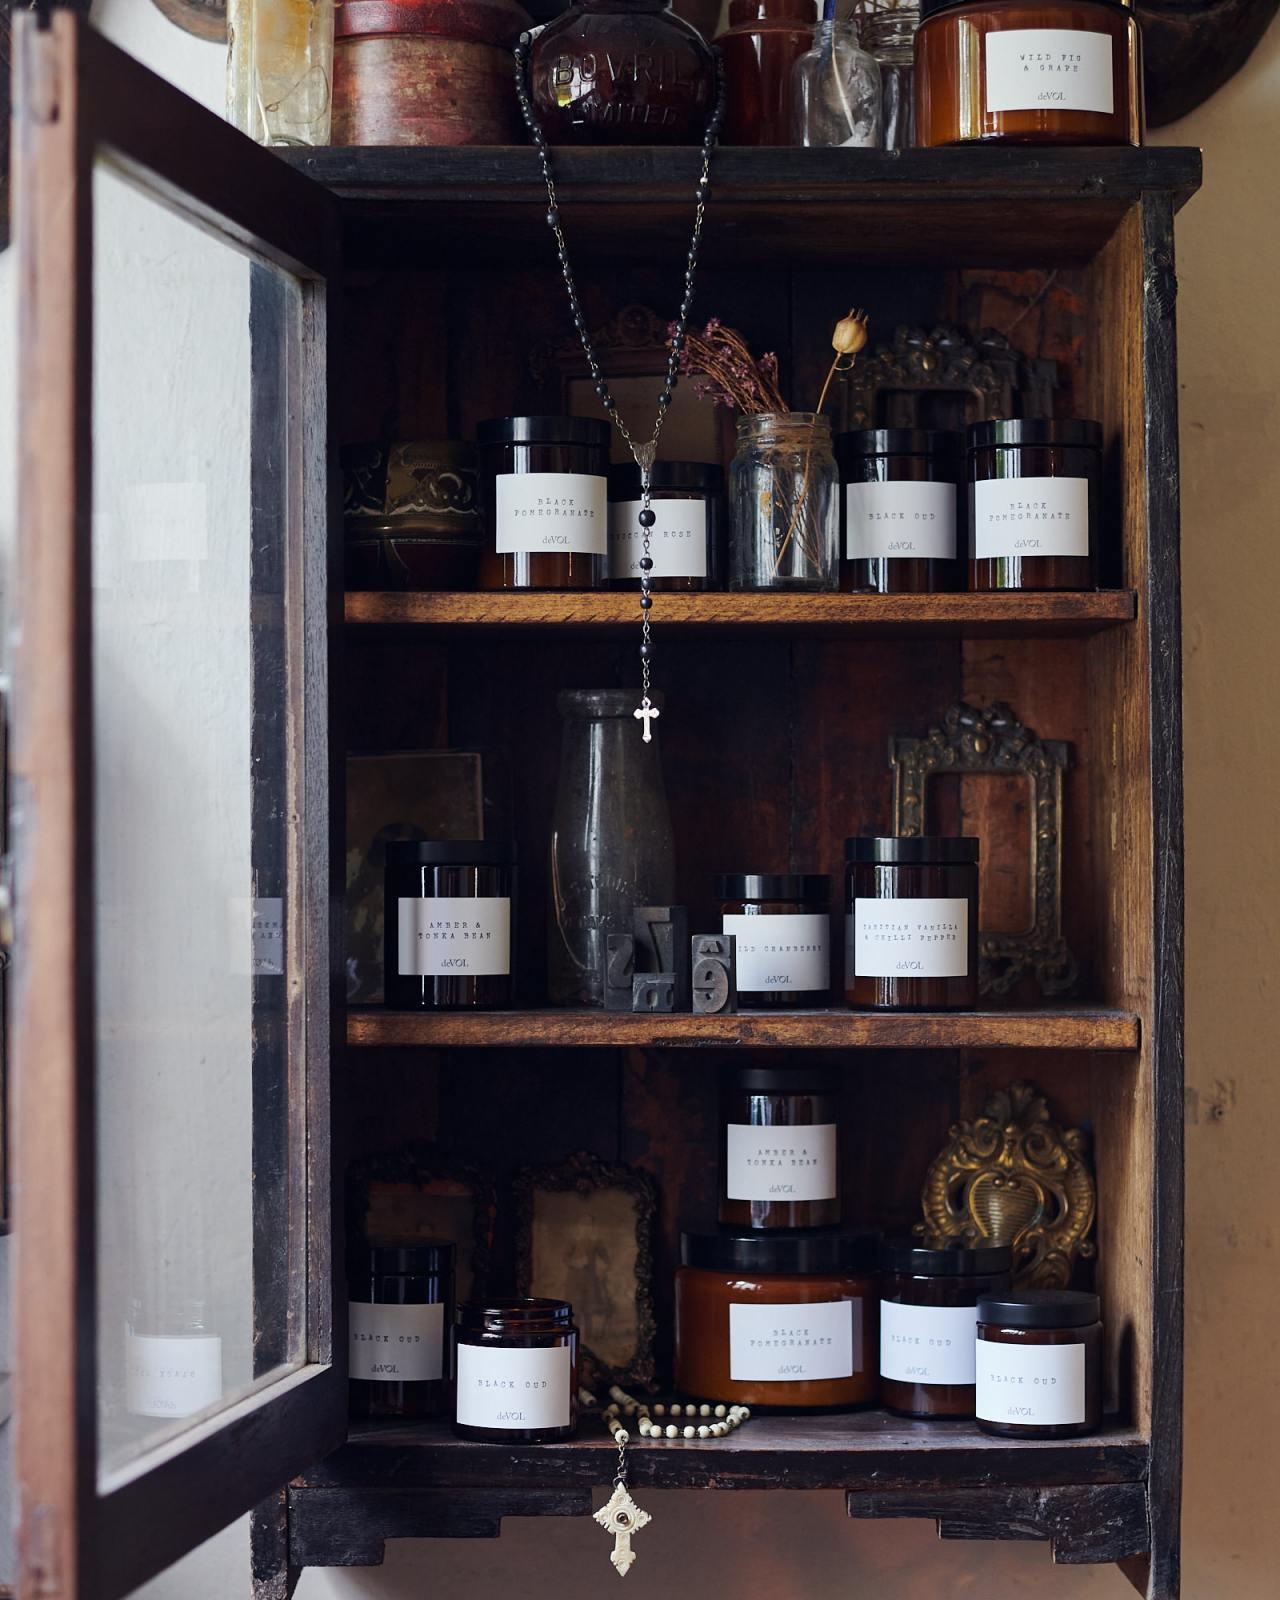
column 620, row 1476
column 645, row 454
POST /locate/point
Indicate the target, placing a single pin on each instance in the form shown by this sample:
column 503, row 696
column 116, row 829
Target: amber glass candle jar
column 686, row 542
column 1028, row 71
column 517, row 1371
column 544, row 492
column 1039, row 1364
column 1034, row 491
column 782, row 922
column 760, row 47
column 777, row 1319
column 928, row 1324
column 911, row 931
column 900, row 499
column 400, row 1328
column 780, row 1147
column 622, row 72
column 447, row 924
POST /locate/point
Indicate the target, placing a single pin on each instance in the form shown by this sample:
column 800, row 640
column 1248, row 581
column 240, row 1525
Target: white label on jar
column 395, row 1344
column 511, row 1388
column 925, row 938
column 1040, row 1385
column 552, row 513
column 927, row 1344
column 910, row 521
column 1049, row 69
column 1030, row 517
column 172, row 1376
column 677, row 540
column 787, row 951
column 455, row 937
column 797, row 1162
column 792, row 1344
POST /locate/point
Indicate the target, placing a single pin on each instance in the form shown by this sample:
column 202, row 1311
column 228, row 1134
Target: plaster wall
column 776, row 1546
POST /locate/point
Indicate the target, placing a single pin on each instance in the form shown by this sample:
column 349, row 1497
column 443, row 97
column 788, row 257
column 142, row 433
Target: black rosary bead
column 646, row 600
column 647, row 518
column 646, row 563
column 645, row 652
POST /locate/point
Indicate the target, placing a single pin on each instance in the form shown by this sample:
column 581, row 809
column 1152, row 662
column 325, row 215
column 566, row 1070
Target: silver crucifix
column 646, row 711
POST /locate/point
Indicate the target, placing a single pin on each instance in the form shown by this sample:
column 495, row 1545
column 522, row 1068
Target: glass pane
column 193, row 344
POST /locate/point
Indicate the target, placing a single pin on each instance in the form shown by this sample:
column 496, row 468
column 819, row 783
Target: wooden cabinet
column 440, row 282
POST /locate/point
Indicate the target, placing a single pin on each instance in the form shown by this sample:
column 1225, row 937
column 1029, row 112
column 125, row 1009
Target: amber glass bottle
column 760, row 47
column 622, row 72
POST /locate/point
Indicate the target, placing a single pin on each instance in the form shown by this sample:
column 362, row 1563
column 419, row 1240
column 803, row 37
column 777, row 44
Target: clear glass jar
column 836, row 92
column 784, row 510
column 517, row 1371
column 888, row 32
column 280, row 70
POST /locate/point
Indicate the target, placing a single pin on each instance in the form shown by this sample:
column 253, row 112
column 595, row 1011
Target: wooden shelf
column 1070, row 1028
column 975, row 207
column 396, row 1480
column 973, row 615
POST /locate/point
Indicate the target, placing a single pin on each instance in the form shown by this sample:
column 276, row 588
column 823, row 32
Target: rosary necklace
column 645, row 454
column 620, row 1515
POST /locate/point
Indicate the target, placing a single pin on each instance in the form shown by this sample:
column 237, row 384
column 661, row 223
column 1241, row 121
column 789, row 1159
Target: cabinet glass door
column 173, row 993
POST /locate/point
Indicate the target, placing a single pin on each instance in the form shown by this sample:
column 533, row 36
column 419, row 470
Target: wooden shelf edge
column 967, row 613
column 1077, row 1028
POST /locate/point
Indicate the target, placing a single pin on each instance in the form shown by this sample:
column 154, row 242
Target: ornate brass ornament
column 944, row 377
column 994, row 742
column 1014, row 1177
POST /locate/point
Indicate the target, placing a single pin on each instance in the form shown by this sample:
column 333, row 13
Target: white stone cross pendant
column 622, row 1516
column 647, row 712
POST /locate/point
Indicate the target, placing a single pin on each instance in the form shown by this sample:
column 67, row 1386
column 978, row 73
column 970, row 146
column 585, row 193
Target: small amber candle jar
column 447, row 924
column 1028, row 71
column 786, row 1320
column 544, row 494
column 1034, row 492
column 400, row 1327
column 900, row 509
column 517, row 1371
column 928, row 1324
column 686, row 542
column 782, row 922
column 780, row 1147
column 1039, row 1364
column 911, row 933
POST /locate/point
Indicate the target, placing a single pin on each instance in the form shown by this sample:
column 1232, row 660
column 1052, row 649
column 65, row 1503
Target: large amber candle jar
column 900, row 502
column 780, row 1147
column 911, row 931
column 928, row 1324
column 782, row 923
column 1028, row 71
column 1034, row 492
column 447, row 924
column 686, row 542
column 777, row 1319
column 622, row 72
column 517, row 1367
column 1039, row 1364
column 544, row 490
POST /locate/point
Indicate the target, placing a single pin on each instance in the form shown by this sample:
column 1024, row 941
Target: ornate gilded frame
column 587, row 1174
column 994, row 742
column 1013, row 1176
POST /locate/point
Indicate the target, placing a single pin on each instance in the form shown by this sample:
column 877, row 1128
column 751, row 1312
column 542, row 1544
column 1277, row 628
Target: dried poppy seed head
column 850, row 334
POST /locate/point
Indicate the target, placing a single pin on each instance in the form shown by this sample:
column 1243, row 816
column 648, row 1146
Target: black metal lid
column 401, row 1260
column 795, row 886
column 450, row 852
column 796, row 1252
column 898, row 442
column 952, row 1261
column 544, row 430
column 930, row 850
column 1077, row 431
column 784, row 1080
column 1040, row 1308
column 699, row 477
column 929, row 8
column 530, row 1314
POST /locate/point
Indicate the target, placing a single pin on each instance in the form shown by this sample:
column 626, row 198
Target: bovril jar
column 1028, row 71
